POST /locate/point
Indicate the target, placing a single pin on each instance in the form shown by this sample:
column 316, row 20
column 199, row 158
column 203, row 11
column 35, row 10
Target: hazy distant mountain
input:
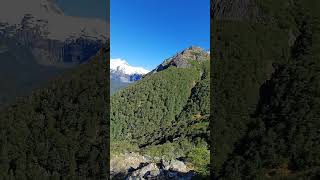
column 122, row 74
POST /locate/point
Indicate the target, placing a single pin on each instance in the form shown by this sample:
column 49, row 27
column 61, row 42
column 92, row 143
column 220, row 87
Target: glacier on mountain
column 121, row 71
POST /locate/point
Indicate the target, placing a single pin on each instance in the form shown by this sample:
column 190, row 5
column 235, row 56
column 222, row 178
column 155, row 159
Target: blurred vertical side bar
column 212, row 48
column 106, row 134
column 54, row 89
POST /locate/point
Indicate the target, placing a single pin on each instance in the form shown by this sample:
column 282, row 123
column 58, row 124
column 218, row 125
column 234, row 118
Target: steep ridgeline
column 184, row 59
column 166, row 114
column 266, row 91
column 60, row 130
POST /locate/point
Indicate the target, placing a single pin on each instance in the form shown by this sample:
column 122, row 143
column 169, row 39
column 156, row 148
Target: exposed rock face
column 125, row 162
column 234, row 10
column 179, row 166
column 135, row 166
column 184, row 58
column 150, row 170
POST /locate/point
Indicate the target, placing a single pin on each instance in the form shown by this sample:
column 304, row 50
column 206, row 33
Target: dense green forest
column 266, row 96
column 166, row 114
column 60, row 131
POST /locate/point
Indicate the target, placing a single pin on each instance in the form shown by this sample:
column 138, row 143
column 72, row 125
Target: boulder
column 127, row 161
column 165, row 164
column 178, row 166
column 148, row 171
column 137, row 167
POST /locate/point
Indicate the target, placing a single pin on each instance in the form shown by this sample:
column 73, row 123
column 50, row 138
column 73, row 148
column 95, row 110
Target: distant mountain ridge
column 122, row 65
column 120, row 69
column 122, row 74
column 55, row 39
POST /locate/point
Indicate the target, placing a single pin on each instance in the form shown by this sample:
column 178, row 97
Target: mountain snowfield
column 122, row 74
column 123, row 66
column 59, row 25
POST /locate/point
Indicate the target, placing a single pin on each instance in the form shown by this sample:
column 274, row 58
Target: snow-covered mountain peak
column 123, row 66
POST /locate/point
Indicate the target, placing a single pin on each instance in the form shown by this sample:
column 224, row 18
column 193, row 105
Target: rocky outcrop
column 184, row 58
column 122, row 163
column 150, row 170
column 135, row 166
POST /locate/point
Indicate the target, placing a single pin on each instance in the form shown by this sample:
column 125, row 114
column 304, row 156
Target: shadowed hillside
column 61, row 129
column 266, row 91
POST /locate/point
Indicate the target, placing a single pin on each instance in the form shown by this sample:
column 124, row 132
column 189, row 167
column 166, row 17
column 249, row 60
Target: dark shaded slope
column 283, row 141
column 60, row 130
column 242, row 61
column 265, row 88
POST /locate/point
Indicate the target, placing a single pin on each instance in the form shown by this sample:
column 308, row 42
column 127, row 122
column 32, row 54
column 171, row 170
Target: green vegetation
column 60, row 130
column 117, row 147
column 265, row 82
column 200, row 157
column 166, row 114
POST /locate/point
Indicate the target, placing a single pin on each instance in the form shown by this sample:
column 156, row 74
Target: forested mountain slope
column 265, row 80
column 60, row 130
column 166, row 114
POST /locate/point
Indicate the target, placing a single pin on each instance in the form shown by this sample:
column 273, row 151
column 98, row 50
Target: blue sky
column 145, row 32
